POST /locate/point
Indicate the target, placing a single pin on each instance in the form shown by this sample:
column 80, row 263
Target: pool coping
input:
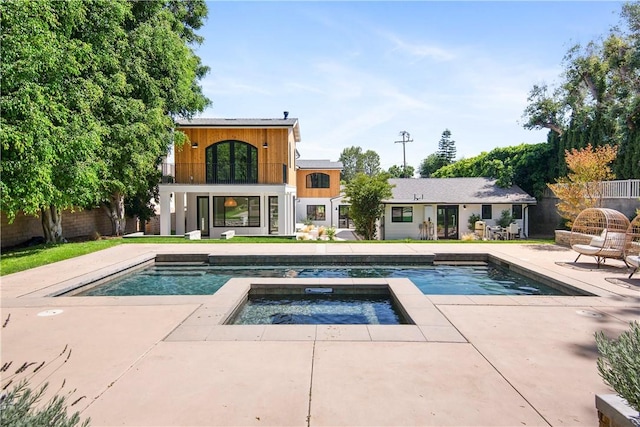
column 73, row 286
column 208, row 322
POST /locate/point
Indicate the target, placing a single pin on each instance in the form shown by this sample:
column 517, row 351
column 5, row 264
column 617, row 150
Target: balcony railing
column 217, row 173
column 620, row 189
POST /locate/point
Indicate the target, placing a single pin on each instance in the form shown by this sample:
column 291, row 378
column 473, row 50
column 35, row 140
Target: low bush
column 619, row 363
column 20, row 407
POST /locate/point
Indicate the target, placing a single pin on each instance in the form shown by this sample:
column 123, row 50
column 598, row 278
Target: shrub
column 472, row 221
column 331, row 233
column 619, row 363
column 19, row 407
column 505, row 218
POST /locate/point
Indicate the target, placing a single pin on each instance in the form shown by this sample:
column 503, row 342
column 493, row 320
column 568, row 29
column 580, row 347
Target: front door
column 202, row 215
column 447, row 222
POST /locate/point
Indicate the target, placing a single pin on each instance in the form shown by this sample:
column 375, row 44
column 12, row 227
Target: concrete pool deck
column 478, row 361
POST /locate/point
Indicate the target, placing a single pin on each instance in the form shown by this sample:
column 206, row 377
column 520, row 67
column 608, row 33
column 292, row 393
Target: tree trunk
column 52, row 224
column 115, row 211
column 557, row 129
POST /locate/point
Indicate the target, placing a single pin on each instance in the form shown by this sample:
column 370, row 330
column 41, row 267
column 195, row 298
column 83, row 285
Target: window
column 486, row 211
column 317, row 180
column 316, row 212
column 232, row 162
column 236, row 211
column 516, row 211
column 401, row 214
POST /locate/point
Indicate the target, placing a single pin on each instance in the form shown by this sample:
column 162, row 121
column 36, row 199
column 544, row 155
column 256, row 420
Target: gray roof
column 242, row 123
column 318, row 164
column 455, row 191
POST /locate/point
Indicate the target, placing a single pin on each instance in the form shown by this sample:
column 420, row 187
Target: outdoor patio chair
column 513, row 230
column 601, row 233
column 632, row 245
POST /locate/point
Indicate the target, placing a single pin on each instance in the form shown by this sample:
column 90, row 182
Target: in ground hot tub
column 320, row 305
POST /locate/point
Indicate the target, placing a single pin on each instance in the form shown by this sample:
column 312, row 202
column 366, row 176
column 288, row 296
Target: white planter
column 613, row 411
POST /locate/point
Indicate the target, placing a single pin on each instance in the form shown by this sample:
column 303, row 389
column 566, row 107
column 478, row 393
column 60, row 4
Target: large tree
column 351, row 159
column 430, row 165
column 49, row 134
column 396, row 171
column 598, row 100
column 355, row 161
column 524, row 165
column 446, row 148
column 365, row 195
column 445, row 155
column 90, row 90
column 370, row 163
column 154, row 78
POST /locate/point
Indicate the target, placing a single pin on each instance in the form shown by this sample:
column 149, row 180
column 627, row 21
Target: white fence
column 619, row 189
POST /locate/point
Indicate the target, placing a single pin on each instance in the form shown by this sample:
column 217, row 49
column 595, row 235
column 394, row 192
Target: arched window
column 318, row 180
column 232, row 162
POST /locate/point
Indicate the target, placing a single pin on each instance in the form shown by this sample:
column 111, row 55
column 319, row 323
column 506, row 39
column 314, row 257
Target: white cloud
column 417, row 50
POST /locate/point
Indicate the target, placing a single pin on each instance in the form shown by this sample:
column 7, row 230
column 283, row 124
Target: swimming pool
column 477, row 279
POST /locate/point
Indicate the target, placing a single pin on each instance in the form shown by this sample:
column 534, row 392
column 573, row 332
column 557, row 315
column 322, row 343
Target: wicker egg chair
column 601, row 233
column 632, row 246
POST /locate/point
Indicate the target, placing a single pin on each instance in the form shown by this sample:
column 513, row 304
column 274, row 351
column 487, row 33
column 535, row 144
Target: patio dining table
column 497, row 233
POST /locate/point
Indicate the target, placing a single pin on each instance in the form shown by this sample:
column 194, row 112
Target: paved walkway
column 164, row 361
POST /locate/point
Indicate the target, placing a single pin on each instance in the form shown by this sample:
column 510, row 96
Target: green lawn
column 35, row 256
column 25, row 258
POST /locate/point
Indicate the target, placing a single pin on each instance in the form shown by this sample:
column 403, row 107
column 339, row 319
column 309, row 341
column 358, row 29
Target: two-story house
column 233, row 174
column 319, row 193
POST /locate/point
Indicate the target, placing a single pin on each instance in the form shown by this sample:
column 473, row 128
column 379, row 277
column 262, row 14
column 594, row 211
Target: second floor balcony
column 228, row 173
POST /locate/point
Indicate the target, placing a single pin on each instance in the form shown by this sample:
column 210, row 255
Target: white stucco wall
column 186, row 213
column 422, row 212
column 407, row 230
column 331, row 212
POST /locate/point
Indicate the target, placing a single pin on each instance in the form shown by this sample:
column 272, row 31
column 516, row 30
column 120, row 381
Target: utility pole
column 405, row 138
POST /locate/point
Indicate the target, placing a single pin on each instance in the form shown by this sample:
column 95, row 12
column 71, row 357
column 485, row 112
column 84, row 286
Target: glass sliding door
column 447, row 222
column 236, row 211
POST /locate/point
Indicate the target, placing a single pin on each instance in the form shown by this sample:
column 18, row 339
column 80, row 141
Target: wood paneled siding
column 191, row 162
column 332, row 191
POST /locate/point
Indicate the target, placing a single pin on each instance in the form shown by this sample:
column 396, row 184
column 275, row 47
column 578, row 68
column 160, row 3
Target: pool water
column 318, row 310
column 485, row 279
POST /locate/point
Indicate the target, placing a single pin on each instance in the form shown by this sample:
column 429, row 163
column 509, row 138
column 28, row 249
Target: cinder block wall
column 544, row 219
column 74, row 224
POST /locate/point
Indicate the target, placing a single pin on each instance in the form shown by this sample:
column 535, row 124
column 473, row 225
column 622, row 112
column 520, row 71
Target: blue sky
column 358, row 73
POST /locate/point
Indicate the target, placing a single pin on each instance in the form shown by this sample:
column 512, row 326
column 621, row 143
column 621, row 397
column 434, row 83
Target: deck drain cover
column 49, row 313
column 588, row 313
